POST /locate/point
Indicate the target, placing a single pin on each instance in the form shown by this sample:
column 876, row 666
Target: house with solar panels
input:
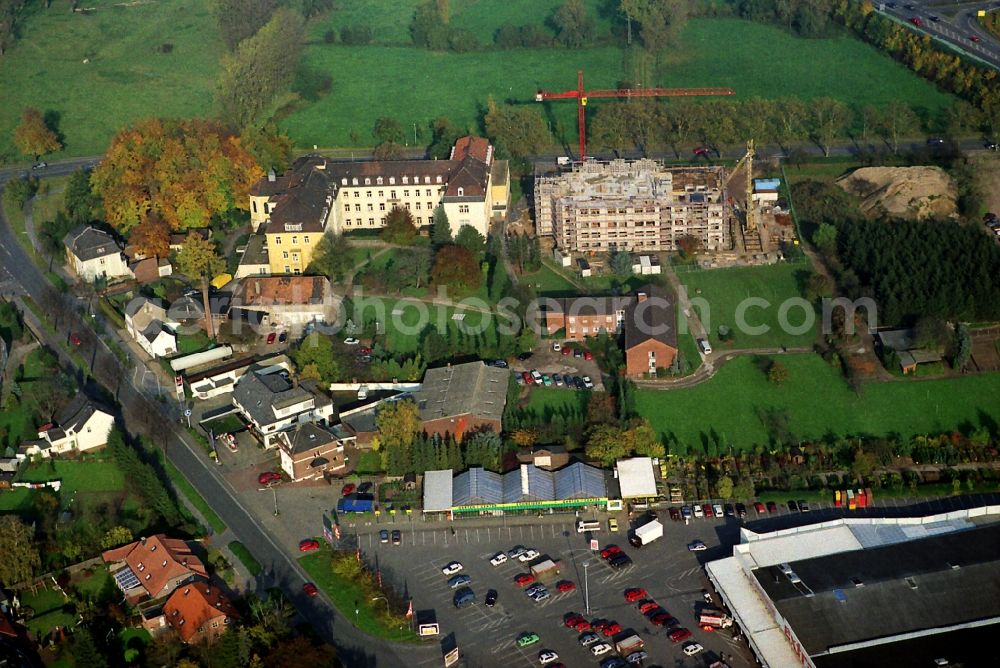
column 528, row 488
column 153, row 567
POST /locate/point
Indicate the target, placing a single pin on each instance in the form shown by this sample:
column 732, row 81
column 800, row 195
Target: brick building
column 199, row 612
column 632, row 205
column 460, row 398
column 308, row 451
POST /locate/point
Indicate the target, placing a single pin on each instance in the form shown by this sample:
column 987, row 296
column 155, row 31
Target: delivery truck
column 647, row 533
column 714, row 618
column 544, row 569
column 630, row 643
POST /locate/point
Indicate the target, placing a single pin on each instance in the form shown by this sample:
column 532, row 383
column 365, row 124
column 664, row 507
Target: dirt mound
column 903, row 192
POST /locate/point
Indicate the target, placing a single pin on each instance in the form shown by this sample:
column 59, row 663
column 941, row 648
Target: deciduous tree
column 724, row 487
column 516, row 131
column 151, row 237
column 115, row 536
column 471, row 240
column 197, row 259
column 184, row 170
column 19, row 558
column 33, row 137
column 239, row 19
column 456, row 268
column 777, row 373
column 332, row 257
column 827, row 120
column 399, row 227
column 316, row 357
column 606, row 444
column 574, row 26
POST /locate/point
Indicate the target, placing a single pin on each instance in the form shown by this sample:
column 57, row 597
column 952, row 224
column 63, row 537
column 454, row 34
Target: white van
column 705, row 346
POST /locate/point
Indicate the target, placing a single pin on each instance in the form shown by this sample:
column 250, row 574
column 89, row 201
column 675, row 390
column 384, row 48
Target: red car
column 917, row 21
column 566, row 585
column 528, row 378
column 271, row 338
column 308, row 545
column 675, row 514
column 634, row 594
column 267, row 477
column 759, row 507
column 524, row 579
column 974, row 38
column 572, row 619
column 611, row 629
column 364, row 350
column 587, row 355
column 707, row 508
column 648, row 606
column 309, row 589
column 75, row 340
column 599, row 624
column 679, row 635
column 702, row 152
column 581, row 625
column 610, row 551
column 663, row 619
column 772, row 507
column 566, row 351
column 348, row 489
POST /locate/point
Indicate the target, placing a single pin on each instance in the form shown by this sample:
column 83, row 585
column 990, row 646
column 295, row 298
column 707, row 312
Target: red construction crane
column 582, row 95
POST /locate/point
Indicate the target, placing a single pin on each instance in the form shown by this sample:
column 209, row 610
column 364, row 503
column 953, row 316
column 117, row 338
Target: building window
column 381, row 206
column 277, row 241
column 284, row 255
column 420, row 219
column 381, row 193
column 406, row 193
column 347, row 207
column 368, row 181
column 287, row 269
column 371, row 207
column 427, row 193
column 463, row 208
column 255, row 206
column 368, row 194
column 418, row 206
column 305, row 239
column 429, row 206
column 348, row 222
column 392, row 194
column 406, row 204
column 267, row 208
column 357, row 207
column 371, row 221
column 295, row 239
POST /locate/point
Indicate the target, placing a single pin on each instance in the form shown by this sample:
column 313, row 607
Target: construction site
column 596, row 206
column 591, row 207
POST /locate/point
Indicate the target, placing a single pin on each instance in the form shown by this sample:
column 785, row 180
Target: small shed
column 636, row 478
column 583, row 266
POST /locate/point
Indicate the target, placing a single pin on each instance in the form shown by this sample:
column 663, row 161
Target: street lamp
column 384, row 599
column 586, row 586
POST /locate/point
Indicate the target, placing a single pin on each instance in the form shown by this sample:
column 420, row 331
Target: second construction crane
column 581, row 96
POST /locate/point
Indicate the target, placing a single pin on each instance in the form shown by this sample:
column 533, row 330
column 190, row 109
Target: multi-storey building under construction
column 632, row 205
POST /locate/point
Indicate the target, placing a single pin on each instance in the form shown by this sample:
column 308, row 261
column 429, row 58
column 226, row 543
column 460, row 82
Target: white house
column 271, row 403
column 78, row 427
column 147, row 322
column 93, row 254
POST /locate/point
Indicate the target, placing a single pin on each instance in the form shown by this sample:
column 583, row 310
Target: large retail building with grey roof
column 857, row 592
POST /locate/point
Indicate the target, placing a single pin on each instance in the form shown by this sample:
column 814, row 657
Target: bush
column 330, row 36
column 19, row 191
column 356, row 35
column 166, row 47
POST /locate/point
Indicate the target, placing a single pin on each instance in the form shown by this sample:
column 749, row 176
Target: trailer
column 647, row 533
column 628, row 644
column 356, row 503
column 851, row 503
column 545, row 569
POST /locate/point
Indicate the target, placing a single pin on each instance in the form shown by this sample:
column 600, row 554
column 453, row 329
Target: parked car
column 397, row 537
column 610, row 551
column 693, row 648
column 612, row 525
column 567, row 351
column 772, row 507
column 463, row 597
column 271, row 338
column 686, row 512
column 459, row 581
column 309, row 589
column 611, row 629
column 528, row 378
column 803, row 506
column 614, row 662
column 759, row 507
column 516, row 551
column 75, row 339
column 571, row 618
column 348, row 489
column 588, row 383
column 679, row 635
column 991, row 145
column 557, row 379
column 498, row 558
column 308, row 545
column 546, row 380
column 547, row 656
column 648, row 606
column 351, row 341
column 527, row 556
column 663, row 619
column 524, row 357
column 577, row 353
column 698, row 512
column 524, row 579
column 556, row 347
column 519, row 379
column 383, row 536
column 741, row 511
column 974, row 38
column 267, row 477
column 707, row 509
column 536, row 587
column 702, row 152
column 365, row 487
column 536, row 376
column 527, row 638
column 634, row 594
column 491, row 598
column 539, row 595
column 500, row 364
column 637, row 657
column 452, row 568
column 697, row 546
column 565, row 585
column 728, row 510
column 675, row 514
column 589, row 638
column 717, row 508
column 600, row 648
column 587, row 355
column 792, row 506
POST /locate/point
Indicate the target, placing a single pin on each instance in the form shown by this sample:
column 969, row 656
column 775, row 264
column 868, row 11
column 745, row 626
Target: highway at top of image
column 956, row 24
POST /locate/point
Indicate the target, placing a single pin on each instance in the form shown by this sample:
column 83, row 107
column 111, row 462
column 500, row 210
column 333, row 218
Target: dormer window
column 461, row 192
column 437, row 179
column 180, row 623
column 152, row 548
column 147, row 576
column 141, row 567
column 378, row 181
column 187, row 590
column 392, row 180
column 427, row 179
column 175, row 613
column 343, row 181
column 368, row 181
column 164, row 564
column 406, row 180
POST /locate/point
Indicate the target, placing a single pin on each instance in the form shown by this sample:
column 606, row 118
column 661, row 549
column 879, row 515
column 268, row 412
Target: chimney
column 642, row 296
column 271, row 175
column 256, row 287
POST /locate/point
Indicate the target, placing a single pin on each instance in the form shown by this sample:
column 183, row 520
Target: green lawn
column 48, row 605
column 724, row 290
column 103, row 69
column 816, row 400
column 402, row 318
column 243, row 554
column 80, row 476
column 548, row 282
column 192, row 343
column 93, row 585
column 345, row 594
column 48, row 203
column 15, row 500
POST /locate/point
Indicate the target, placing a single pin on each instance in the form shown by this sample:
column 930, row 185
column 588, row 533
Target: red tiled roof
column 194, row 605
column 281, row 290
column 157, row 560
column 477, row 147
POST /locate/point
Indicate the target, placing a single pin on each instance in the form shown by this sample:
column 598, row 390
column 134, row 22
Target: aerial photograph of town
column 499, row 333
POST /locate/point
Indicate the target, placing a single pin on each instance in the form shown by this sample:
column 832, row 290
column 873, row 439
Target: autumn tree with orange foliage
column 184, row 171
column 151, row 237
column 456, row 268
column 33, row 137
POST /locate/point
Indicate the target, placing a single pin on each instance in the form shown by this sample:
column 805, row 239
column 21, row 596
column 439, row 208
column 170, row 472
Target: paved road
column 354, row 647
column 955, row 25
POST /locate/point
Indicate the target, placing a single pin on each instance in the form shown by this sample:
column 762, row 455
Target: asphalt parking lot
column 487, row 636
column 546, row 361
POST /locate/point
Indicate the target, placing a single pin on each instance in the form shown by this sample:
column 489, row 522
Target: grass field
column 125, row 76
column 77, row 476
column 725, row 290
column 243, row 554
column 128, row 74
column 402, row 318
column 50, row 610
column 346, row 594
column 815, row 399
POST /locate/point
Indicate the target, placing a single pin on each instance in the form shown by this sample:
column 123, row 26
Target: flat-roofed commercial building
column 853, row 592
column 632, row 205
